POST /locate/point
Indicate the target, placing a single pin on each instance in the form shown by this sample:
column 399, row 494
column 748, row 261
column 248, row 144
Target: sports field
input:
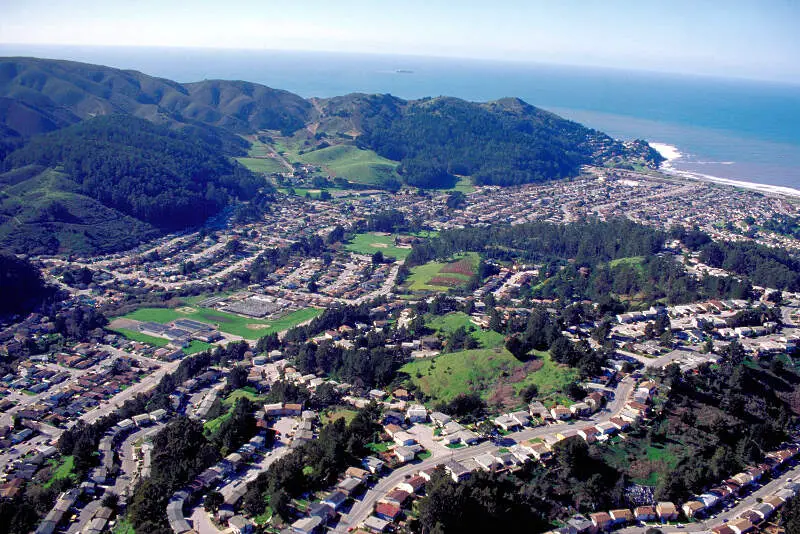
column 372, row 242
column 441, row 276
column 246, row 327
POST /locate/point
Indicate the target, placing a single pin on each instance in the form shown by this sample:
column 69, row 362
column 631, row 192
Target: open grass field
column 493, row 373
column 644, row 462
column 371, row 242
column 123, row 526
column 213, row 425
column 63, row 470
column 243, row 393
column 464, row 185
column 353, row 164
column 193, row 348
column 446, row 324
column 246, row 327
column 633, row 261
column 141, row 338
column 338, row 413
column 441, row 276
column 301, row 191
column 265, row 165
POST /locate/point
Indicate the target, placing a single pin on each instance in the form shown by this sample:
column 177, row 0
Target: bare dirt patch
column 186, row 309
column 125, row 324
column 379, row 245
column 257, row 326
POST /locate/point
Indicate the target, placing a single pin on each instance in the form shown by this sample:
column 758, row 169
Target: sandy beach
column 671, row 153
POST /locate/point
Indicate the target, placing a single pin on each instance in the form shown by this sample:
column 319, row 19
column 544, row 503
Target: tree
column 377, row 258
column 213, row 501
column 237, row 378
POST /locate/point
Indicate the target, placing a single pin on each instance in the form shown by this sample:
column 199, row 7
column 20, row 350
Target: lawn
column 246, row 393
column 379, row 447
column 353, row 164
column 464, row 185
column 446, row 324
column 631, row 261
column 339, row 413
column 493, row 373
column 123, row 526
column 246, row 327
column 265, row 165
column 62, row 471
column 552, row 378
column 372, row 242
column 441, row 276
column 213, row 425
column 193, row 348
column 141, row 338
column 644, row 462
column 196, row 346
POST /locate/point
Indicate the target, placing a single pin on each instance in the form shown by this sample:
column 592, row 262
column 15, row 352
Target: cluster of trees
column 526, row 501
column 332, row 317
column 585, row 244
column 367, row 365
column 771, row 267
column 484, row 503
column 181, row 451
column 163, row 177
column 724, row 419
column 274, row 258
column 391, row 221
column 21, row 286
column 467, row 407
column 503, row 143
column 543, row 332
column 578, row 261
column 314, row 465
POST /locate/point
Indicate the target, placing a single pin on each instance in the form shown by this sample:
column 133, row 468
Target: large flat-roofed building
column 254, row 307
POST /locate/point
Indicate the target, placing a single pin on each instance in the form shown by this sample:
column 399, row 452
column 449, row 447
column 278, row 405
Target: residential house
column 645, row 513
column 388, row 511
column 417, row 414
column 397, row 497
column 335, row 500
column 412, row 485
column 601, row 520
column 692, row 508
column 622, row 516
column 667, row 511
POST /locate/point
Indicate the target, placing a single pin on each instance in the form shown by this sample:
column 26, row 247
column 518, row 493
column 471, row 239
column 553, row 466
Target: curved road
column 362, row 509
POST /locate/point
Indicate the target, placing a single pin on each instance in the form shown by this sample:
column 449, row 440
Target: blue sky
column 751, row 39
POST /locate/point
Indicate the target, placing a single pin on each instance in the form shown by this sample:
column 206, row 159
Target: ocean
column 738, row 130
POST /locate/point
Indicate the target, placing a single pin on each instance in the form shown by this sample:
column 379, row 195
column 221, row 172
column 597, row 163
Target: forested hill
column 156, row 177
column 506, row 142
column 21, row 286
column 42, row 95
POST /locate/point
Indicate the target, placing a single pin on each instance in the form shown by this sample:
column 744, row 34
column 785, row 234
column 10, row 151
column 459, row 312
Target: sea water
column 734, row 129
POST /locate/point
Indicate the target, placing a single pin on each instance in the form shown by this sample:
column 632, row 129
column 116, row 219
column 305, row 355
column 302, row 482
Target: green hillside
column 120, row 178
column 354, row 164
column 47, row 214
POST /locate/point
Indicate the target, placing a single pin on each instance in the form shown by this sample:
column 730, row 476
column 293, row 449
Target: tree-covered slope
column 49, row 93
column 42, row 211
column 21, row 286
column 505, row 142
column 156, row 177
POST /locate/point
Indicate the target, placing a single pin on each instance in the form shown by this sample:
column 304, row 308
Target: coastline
column 672, row 153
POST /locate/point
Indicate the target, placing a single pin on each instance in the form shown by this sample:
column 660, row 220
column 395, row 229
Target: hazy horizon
column 743, row 40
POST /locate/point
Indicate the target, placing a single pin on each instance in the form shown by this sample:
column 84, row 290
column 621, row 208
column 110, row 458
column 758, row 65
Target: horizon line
column 507, row 61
